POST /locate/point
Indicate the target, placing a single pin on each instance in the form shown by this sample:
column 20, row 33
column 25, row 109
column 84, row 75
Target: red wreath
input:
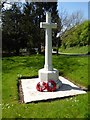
column 51, row 87
column 42, row 87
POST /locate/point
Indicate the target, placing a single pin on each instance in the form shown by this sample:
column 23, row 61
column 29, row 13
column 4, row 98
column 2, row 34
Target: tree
column 76, row 36
column 69, row 21
column 12, row 31
column 51, row 7
column 21, row 25
column 36, row 13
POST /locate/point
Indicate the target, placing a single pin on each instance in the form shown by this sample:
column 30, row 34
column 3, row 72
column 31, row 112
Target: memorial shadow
column 66, row 87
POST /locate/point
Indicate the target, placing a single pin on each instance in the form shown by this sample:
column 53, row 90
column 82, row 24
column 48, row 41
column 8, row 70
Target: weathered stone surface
column 48, row 72
column 45, row 75
column 31, row 94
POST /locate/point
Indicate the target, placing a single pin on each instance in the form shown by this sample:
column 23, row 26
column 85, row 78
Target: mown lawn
column 77, row 49
column 73, row 68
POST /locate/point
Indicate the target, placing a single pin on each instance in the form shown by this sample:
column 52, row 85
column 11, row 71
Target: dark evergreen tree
column 21, row 25
column 13, row 34
column 40, row 14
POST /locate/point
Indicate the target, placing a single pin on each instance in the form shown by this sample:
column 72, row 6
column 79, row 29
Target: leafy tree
column 21, row 25
column 35, row 13
column 84, row 34
column 51, row 7
column 12, row 30
column 76, row 36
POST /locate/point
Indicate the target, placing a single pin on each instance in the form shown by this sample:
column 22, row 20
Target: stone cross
column 48, row 72
column 48, row 40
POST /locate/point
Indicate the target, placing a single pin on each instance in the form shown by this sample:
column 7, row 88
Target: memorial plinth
column 32, row 90
column 48, row 72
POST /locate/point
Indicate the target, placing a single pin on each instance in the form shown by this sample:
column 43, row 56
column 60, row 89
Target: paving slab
column 30, row 93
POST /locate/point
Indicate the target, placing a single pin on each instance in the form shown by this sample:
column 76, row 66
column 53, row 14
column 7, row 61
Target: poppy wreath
column 41, row 86
column 51, row 86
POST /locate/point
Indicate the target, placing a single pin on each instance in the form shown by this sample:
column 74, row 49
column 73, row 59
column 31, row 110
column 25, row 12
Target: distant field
column 73, row 68
column 83, row 49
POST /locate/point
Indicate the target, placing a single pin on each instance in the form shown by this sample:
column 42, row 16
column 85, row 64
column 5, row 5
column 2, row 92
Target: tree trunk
column 57, row 51
column 39, row 48
column 17, row 52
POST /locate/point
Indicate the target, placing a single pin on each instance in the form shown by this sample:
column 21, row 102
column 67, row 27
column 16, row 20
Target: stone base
column 30, row 93
column 58, row 84
column 45, row 76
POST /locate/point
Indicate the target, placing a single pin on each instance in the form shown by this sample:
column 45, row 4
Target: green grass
column 73, row 68
column 75, row 107
column 82, row 50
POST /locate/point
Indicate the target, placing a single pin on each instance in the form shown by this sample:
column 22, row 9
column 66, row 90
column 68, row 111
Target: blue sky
column 74, row 6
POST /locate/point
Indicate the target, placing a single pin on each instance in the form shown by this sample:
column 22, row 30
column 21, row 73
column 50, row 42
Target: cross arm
column 48, row 25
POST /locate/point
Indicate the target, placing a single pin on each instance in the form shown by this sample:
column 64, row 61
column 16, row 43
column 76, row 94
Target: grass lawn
column 73, row 68
column 82, row 50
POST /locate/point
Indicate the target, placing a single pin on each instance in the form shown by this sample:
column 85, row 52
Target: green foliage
column 13, row 35
column 70, row 67
column 21, row 25
column 76, row 36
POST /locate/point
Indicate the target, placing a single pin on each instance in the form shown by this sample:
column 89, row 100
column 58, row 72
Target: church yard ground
column 76, row 49
column 73, row 68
